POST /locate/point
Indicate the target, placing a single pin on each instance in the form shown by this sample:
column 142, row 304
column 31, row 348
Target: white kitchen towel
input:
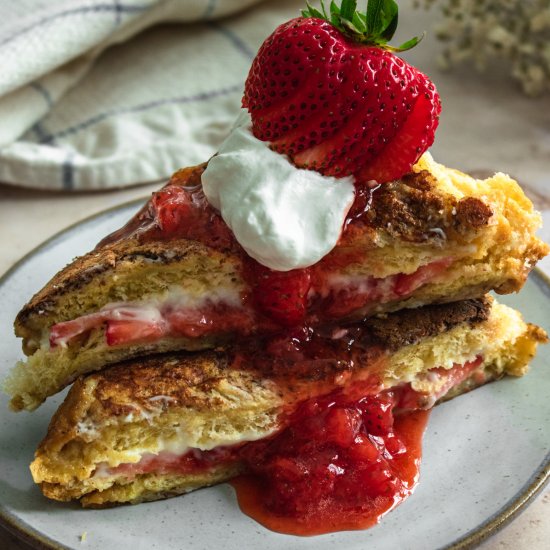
column 98, row 94
column 95, row 94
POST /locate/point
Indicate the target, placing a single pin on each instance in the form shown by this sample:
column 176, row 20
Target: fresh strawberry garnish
column 282, row 295
column 411, row 140
column 327, row 90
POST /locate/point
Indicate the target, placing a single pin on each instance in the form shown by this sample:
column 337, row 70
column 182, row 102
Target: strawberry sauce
column 339, row 466
column 178, row 211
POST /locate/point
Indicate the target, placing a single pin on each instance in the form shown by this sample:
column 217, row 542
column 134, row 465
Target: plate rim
column 502, row 517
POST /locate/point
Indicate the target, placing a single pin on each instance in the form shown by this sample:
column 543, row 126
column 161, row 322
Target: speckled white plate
column 485, row 453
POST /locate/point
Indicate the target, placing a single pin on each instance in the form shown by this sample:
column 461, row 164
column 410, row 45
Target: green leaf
column 408, row 44
column 312, row 12
column 359, row 23
column 335, row 14
column 389, row 31
column 388, row 18
column 373, row 16
column 348, row 9
column 376, row 26
column 349, row 25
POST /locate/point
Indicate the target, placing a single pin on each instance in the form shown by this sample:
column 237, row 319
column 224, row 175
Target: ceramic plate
column 485, row 453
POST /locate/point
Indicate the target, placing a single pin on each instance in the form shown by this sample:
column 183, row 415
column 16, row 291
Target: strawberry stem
column 374, row 27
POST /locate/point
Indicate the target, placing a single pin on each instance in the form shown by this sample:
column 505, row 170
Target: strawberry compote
column 177, row 211
column 339, row 465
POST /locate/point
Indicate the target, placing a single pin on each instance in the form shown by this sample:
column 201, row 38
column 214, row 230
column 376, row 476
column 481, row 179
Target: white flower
column 514, row 31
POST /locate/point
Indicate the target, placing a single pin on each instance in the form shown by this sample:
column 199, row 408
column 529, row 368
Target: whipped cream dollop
column 284, row 217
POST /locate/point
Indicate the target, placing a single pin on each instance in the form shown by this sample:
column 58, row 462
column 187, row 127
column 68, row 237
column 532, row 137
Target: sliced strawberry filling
column 405, row 285
column 117, row 314
column 446, row 379
column 141, row 323
column 130, row 323
column 341, row 461
column 344, row 298
column 165, row 462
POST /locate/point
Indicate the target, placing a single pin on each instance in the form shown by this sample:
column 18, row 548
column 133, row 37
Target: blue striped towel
column 98, row 94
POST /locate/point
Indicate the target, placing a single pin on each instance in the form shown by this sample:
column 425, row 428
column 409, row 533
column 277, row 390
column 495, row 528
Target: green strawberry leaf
column 389, row 18
column 359, row 23
column 349, row 26
column 409, row 43
column 348, row 9
column 312, row 12
column 335, row 14
column 373, row 16
column 375, row 27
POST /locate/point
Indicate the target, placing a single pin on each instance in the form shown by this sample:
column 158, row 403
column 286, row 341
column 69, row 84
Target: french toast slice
column 166, row 425
column 165, row 283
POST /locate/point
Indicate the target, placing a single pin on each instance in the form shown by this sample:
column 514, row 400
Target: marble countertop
column 27, row 218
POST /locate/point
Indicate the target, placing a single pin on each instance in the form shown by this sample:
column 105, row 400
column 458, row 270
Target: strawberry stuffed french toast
column 285, row 315
column 321, row 207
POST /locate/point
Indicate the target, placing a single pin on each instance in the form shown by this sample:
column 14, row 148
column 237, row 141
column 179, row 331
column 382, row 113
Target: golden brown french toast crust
column 409, row 326
column 415, row 210
column 85, row 268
